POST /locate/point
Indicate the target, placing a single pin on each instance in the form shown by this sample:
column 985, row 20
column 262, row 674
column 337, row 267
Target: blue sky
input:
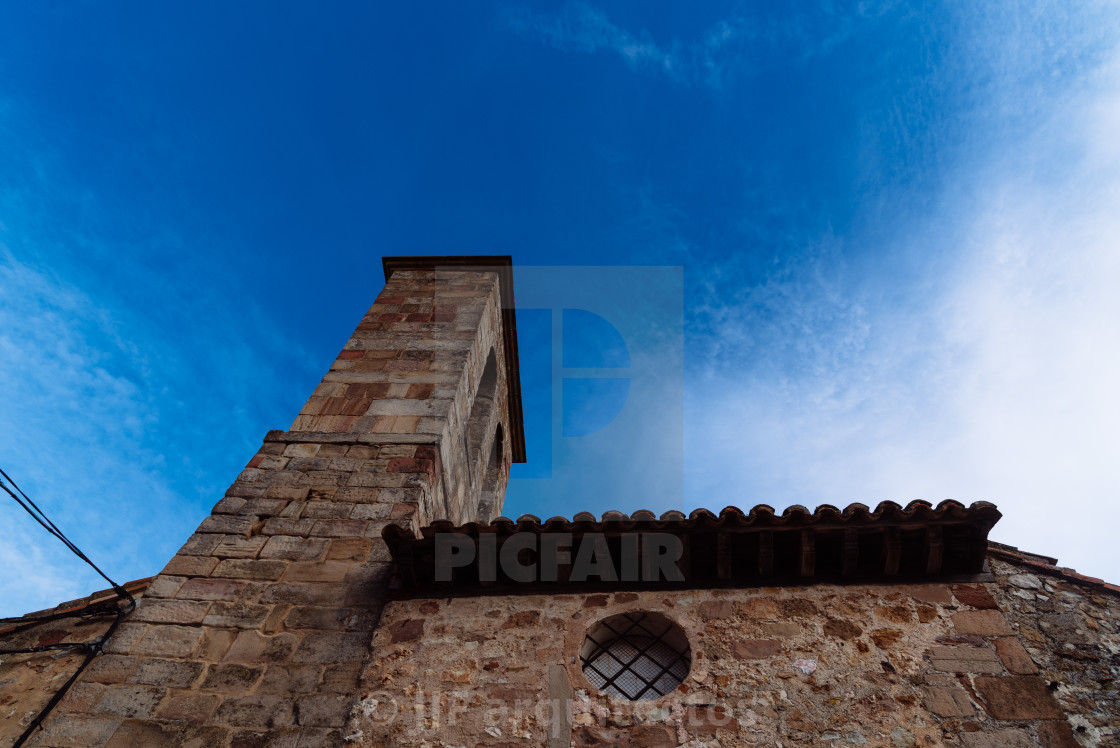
column 897, row 226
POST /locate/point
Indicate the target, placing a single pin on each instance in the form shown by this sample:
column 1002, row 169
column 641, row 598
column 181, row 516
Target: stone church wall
column 873, row 665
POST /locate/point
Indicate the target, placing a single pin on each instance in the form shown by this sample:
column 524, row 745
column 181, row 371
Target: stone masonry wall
column 1071, row 630
column 28, row 681
column 874, row 665
column 255, row 633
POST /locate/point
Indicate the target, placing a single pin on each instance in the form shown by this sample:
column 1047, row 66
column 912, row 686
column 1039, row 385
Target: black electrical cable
column 93, row 648
column 50, row 527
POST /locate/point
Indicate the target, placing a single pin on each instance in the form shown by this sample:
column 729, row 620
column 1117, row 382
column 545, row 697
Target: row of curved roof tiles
column 762, row 514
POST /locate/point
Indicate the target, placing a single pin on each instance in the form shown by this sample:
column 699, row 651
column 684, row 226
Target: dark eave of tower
column 503, row 266
column 892, row 544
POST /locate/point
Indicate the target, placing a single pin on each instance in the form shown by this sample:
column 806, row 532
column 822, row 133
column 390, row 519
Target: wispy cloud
column 729, row 48
column 579, row 27
column 992, row 378
column 132, row 391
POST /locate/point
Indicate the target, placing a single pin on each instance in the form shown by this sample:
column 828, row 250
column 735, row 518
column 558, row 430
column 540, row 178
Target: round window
column 636, row 656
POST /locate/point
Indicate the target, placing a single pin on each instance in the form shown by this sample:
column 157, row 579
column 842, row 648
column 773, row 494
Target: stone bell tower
column 255, row 633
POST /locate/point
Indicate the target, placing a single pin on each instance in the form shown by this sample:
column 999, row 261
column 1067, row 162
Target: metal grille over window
column 636, row 656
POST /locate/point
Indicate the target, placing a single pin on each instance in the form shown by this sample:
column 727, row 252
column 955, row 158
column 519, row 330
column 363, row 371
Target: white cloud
column 730, row 47
column 999, row 383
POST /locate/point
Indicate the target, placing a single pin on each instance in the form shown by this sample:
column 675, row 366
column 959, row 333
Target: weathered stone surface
column 998, row 739
column 232, row 677
column 965, row 659
column 154, row 671
column 1015, row 657
column 1017, row 697
column 974, row 595
column 129, row 700
column 1057, row 734
column 188, row 706
column 948, row 701
column 201, row 588
column 170, row 611
column 781, row 629
column 981, row 623
column 756, row 649
column 168, row 641
column 407, row 630
column 1025, row 581
column 842, row 629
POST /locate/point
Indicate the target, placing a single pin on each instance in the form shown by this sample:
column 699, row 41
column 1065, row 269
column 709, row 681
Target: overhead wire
column 33, row 509
column 91, row 648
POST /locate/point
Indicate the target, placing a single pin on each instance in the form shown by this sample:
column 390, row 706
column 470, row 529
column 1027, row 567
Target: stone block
column 302, row 593
column 203, row 588
column 111, row 668
column 164, row 586
column 78, row 700
column 1057, row 734
column 260, row 711
column 842, row 629
column 265, row 507
column 324, row 710
column 1015, row 657
column 133, row 733
column 317, row 571
column 328, row 648
column 341, row 679
column 201, row 544
column 287, row 492
column 756, row 649
column 236, row 546
column 74, row 731
column 302, row 450
column 975, row 595
column 229, row 505
column 981, row 623
column 190, row 566
column 338, row 528
column 129, row 700
column 781, row 629
column 170, row 611
column 406, row 631
column 156, row 671
column 964, row 659
column 254, row 647
column 1017, row 697
column 947, row 701
column 652, row 736
column 931, row 593
column 370, row 511
column 168, row 641
column 294, row 548
column 997, row 739
column 188, row 706
column 266, row 570
column 215, row 644
column 886, row 638
column 350, row 549
column 126, row 638
column 232, row 677
column 236, row 615
column 328, row 509
column 228, row 524
column 290, row 679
